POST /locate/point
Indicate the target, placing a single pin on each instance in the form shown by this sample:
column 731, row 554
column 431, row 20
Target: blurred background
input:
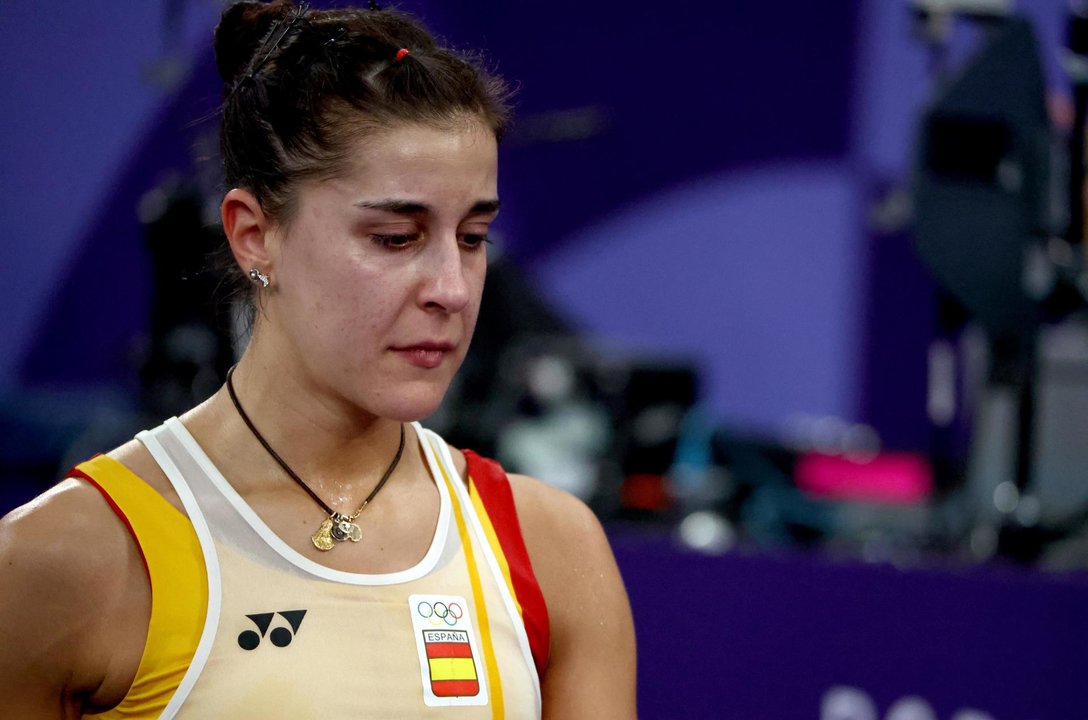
column 792, row 294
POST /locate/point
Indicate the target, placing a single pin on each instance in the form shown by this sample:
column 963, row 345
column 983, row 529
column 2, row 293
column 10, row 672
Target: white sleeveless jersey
column 286, row 637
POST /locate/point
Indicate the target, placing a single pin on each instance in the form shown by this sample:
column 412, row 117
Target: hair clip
column 337, row 36
column 288, row 22
column 402, row 53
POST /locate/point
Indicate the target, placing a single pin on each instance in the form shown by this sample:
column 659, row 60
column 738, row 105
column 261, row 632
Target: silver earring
column 257, row 276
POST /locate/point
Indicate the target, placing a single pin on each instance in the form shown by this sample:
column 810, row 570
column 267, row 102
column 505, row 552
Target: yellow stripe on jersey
column 493, row 541
column 179, row 587
column 495, row 682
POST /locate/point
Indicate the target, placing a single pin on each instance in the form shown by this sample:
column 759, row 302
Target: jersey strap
column 493, row 499
column 179, row 585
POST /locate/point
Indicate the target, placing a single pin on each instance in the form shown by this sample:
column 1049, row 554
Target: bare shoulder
column 591, row 673
column 552, row 517
column 66, row 535
column 68, row 572
column 565, row 539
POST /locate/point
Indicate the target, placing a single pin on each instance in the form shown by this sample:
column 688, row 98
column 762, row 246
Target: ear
column 247, row 230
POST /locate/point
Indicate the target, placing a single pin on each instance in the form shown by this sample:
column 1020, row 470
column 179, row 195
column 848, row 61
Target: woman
column 297, row 546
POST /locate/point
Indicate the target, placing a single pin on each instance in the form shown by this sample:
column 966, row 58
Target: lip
column 427, row 355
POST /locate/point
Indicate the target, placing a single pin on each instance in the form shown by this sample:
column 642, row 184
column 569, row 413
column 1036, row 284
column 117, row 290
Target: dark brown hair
column 301, row 85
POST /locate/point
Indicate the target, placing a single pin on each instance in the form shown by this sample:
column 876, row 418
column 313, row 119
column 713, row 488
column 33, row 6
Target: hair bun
column 241, row 29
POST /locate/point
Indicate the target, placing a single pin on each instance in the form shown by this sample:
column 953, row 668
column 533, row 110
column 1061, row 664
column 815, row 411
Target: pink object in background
column 899, row 478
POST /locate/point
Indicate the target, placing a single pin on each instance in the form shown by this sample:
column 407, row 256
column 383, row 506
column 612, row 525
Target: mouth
column 427, row 355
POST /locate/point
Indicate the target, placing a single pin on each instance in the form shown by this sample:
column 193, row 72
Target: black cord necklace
column 337, row 526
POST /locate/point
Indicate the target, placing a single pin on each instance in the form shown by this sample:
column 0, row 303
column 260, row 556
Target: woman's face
column 378, row 275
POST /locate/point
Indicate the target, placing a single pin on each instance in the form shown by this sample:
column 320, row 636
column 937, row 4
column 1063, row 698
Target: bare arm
column 591, row 673
column 72, row 590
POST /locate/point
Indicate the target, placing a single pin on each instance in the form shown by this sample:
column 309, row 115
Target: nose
column 446, row 286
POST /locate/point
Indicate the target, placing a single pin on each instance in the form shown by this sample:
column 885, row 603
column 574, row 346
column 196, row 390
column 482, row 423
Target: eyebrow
column 408, row 207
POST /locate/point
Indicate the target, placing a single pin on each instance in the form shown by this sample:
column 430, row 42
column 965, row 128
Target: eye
column 395, row 241
column 475, row 241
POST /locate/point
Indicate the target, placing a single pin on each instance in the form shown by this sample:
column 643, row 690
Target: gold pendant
column 322, row 539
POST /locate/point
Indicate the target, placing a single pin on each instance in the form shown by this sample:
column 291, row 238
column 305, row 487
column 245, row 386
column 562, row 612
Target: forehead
column 408, row 156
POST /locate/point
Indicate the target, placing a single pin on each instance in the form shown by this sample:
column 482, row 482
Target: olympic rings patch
column 440, row 613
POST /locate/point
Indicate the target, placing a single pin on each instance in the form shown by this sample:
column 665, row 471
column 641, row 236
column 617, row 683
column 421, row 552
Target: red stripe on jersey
column 448, row 650
column 490, row 481
column 76, row 472
column 455, row 688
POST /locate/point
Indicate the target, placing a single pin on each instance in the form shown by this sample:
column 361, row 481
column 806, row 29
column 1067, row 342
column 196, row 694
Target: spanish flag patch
column 449, row 657
column 448, row 653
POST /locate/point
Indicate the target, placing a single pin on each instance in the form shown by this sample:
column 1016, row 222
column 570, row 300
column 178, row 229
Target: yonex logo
column 280, row 636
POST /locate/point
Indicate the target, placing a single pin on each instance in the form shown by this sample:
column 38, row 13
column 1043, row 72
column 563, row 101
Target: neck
column 334, row 446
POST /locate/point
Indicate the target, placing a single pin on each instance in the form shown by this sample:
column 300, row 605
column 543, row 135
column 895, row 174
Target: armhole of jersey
column 179, row 584
column 489, row 489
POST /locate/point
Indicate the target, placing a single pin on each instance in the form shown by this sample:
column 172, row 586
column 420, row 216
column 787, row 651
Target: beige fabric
column 354, row 653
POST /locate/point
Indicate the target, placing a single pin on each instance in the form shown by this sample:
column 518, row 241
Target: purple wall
column 75, row 94
column 768, row 637
column 765, row 300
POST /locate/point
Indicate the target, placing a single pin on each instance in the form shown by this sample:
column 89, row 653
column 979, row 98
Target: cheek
column 339, row 286
column 364, row 303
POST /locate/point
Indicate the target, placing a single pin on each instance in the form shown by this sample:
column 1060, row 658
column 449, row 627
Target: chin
column 413, row 404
